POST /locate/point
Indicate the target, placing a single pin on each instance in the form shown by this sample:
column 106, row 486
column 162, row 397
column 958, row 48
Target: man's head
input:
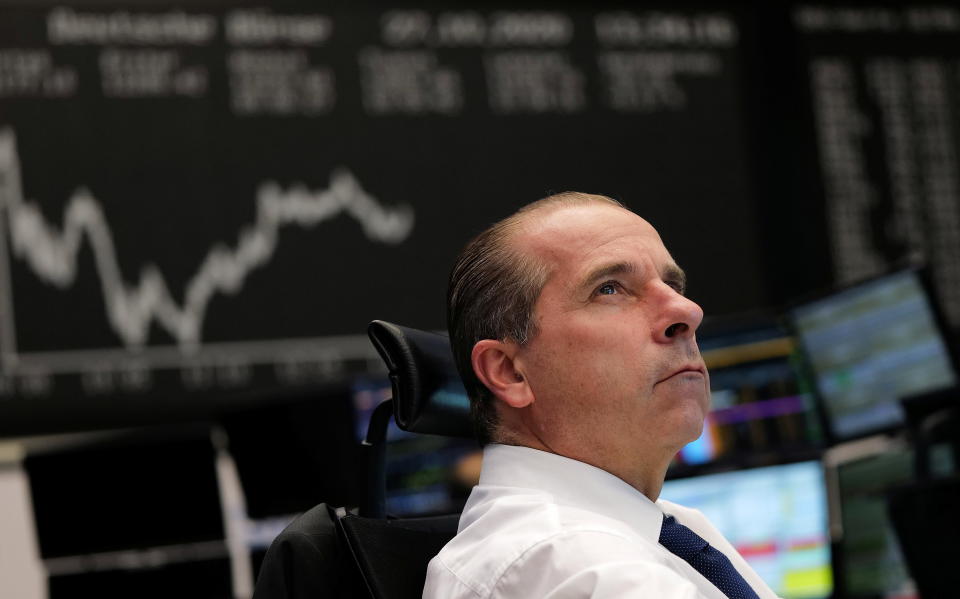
column 491, row 295
column 570, row 328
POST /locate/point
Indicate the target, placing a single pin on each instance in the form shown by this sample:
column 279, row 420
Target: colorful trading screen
column 775, row 516
column 870, row 346
column 758, row 403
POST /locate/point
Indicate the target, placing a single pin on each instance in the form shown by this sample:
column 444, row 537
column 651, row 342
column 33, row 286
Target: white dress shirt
column 541, row 525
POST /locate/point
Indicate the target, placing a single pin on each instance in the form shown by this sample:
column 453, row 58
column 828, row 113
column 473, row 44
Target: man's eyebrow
column 608, row 270
column 674, row 274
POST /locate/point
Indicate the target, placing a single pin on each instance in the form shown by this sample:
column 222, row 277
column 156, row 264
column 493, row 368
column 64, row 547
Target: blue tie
column 712, row 564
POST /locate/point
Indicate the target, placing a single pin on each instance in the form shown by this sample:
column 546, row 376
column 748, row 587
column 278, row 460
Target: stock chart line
column 52, row 253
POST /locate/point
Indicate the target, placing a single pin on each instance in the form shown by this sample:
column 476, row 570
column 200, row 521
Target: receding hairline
column 520, row 221
column 521, row 239
column 568, row 198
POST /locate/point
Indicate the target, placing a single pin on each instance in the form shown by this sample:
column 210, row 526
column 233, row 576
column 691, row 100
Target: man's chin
column 696, row 429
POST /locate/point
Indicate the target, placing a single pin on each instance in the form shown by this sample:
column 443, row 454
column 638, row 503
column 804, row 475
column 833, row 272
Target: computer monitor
column 759, row 405
column 870, row 345
column 775, row 516
column 126, row 493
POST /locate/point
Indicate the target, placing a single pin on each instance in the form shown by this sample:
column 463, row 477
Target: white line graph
column 52, row 252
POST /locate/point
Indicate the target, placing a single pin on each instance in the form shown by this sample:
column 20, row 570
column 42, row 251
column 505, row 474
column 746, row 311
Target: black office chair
column 924, row 512
column 336, row 553
column 932, row 418
column 925, row 518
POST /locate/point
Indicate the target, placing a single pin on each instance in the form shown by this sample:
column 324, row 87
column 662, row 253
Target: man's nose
column 680, row 318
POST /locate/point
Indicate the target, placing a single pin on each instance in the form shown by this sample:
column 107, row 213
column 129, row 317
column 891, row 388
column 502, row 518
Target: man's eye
column 607, row 289
column 677, row 286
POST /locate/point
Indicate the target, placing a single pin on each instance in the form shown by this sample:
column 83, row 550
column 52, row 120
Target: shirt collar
column 571, row 483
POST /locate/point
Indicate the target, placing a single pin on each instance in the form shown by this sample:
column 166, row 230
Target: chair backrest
column 390, row 555
column 428, row 394
column 428, row 398
column 393, row 554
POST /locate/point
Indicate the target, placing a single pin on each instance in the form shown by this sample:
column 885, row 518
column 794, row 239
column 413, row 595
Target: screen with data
column 883, row 93
column 759, row 405
column 209, row 198
column 775, row 517
column 871, row 345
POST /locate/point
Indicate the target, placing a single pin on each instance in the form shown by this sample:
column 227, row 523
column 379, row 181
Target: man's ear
column 493, row 363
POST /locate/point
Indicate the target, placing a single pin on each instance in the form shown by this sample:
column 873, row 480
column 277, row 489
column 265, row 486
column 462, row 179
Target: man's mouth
column 690, row 369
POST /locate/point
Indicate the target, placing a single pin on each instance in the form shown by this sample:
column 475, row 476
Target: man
column 577, row 346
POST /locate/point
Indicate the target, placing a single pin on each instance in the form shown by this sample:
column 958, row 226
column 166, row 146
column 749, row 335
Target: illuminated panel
column 775, row 516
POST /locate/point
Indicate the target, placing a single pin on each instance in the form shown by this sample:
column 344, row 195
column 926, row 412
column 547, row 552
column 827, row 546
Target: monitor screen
column 870, row 345
column 758, row 403
column 124, row 495
column 775, row 516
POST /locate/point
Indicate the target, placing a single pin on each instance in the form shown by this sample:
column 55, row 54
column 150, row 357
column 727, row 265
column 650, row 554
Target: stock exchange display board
column 216, row 199
column 884, row 87
column 205, row 199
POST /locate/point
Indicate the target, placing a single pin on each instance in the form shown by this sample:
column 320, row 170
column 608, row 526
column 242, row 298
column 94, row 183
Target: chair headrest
column 428, row 394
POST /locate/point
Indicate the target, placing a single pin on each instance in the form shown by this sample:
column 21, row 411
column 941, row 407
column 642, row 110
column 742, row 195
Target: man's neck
column 641, row 473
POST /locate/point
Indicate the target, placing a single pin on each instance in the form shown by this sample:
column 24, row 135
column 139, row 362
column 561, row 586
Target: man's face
column 614, row 367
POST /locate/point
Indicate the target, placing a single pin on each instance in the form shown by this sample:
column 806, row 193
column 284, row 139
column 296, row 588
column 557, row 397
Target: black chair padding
column 927, row 523
column 308, row 560
column 393, row 554
column 428, row 394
